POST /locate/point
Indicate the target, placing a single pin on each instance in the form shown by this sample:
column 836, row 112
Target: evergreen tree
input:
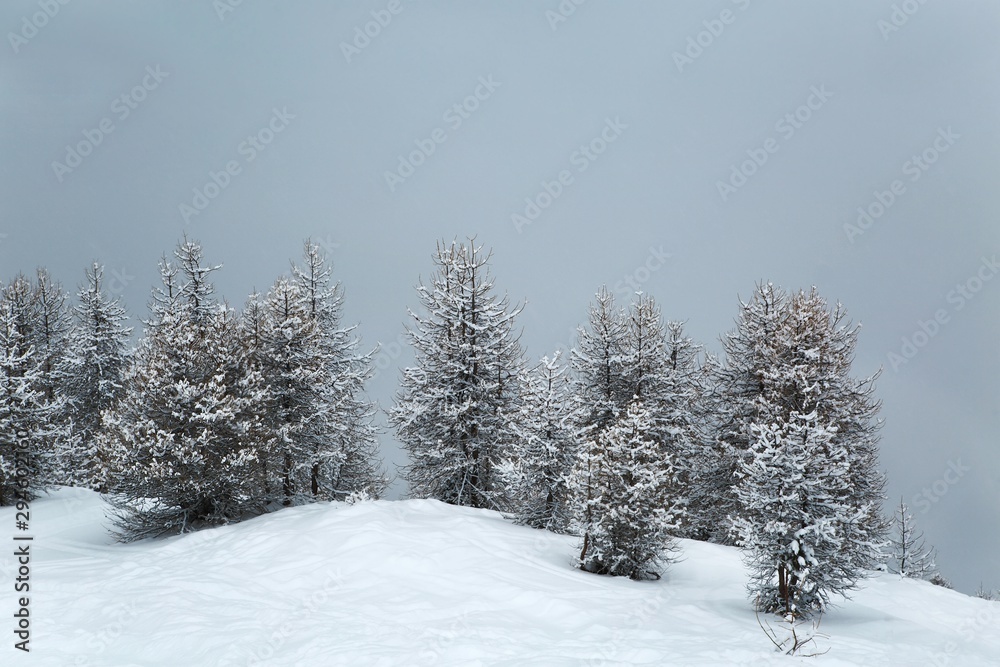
column 321, row 438
column 623, row 482
column 735, row 402
column 39, row 315
column 455, row 409
column 909, row 556
column 645, row 368
column 345, row 453
column 26, row 424
column 92, row 372
column 258, row 380
column 808, row 491
column 661, row 368
column 693, row 418
column 985, row 594
column 292, row 369
column 632, row 353
column 177, row 434
column 628, row 354
column 635, row 387
column 50, row 324
column 598, row 363
column 544, row 450
column 706, row 463
column 19, row 295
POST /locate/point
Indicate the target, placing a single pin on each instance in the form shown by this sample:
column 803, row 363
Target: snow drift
column 419, row 582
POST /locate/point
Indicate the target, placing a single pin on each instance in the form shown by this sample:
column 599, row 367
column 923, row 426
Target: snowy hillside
column 423, row 583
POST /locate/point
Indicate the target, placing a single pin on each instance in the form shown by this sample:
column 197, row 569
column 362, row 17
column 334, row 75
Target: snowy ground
column 422, row 583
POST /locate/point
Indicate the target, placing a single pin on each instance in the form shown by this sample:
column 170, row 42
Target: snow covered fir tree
column 24, row 413
column 633, row 428
column 324, row 444
column 623, row 483
column 909, row 556
column 808, row 490
column 543, row 450
column 454, row 410
column 92, row 372
column 34, row 432
column 737, row 387
column 175, row 440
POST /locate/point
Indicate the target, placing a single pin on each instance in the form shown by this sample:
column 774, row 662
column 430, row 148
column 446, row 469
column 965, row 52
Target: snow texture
column 419, row 582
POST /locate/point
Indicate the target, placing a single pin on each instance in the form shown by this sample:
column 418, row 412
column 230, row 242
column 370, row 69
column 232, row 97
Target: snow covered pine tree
column 691, row 424
column 290, row 368
column 176, row 438
column 454, row 408
column 909, row 556
column 624, row 481
column 257, row 379
column 808, row 488
column 26, row 417
column 629, row 354
column 319, row 440
column 39, row 310
column 598, row 359
column 344, row 370
column 624, row 485
column 661, row 367
column 537, row 470
column 735, row 404
column 92, row 373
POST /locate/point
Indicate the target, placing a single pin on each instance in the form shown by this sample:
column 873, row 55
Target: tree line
column 640, row 437
column 636, row 439
column 214, row 416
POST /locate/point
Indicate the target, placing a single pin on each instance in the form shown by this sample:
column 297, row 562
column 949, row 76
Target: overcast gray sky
column 738, row 138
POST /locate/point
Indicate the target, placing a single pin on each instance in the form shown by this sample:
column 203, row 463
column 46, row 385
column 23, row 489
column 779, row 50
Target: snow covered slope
column 422, row 583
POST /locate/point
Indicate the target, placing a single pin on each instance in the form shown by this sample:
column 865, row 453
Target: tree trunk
column 783, row 588
column 287, row 482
